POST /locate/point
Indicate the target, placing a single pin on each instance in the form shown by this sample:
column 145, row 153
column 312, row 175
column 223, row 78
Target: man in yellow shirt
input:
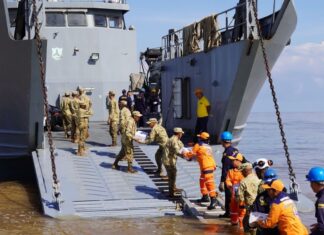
column 203, row 110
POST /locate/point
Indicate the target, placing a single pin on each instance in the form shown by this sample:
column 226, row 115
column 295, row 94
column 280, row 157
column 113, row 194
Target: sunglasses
column 262, row 163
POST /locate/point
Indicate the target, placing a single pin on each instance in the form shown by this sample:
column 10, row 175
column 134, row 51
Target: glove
column 221, row 187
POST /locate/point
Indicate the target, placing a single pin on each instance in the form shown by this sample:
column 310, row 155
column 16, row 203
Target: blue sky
column 299, row 72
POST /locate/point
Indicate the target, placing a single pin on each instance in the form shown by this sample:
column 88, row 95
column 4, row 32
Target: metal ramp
column 90, row 188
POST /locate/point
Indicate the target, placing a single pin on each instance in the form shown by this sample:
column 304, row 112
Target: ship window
column 115, row 22
column 181, row 98
column 55, row 19
column 12, row 17
column 100, row 21
column 77, row 19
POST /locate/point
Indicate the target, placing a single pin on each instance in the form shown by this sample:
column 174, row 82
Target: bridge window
column 115, row 22
column 100, row 21
column 77, row 19
column 55, row 19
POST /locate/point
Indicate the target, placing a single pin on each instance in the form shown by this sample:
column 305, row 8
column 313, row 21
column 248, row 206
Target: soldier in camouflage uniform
column 174, row 145
column 66, row 113
column 113, row 117
column 86, row 99
column 127, row 142
column 82, row 123
column 125, row 114
column 159, row 135
column 74, row 106
column 247, row 194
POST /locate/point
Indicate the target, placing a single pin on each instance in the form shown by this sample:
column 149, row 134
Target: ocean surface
column 20, row 210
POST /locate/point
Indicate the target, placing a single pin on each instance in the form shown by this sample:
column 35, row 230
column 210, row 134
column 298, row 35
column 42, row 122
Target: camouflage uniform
column 169, row 160
column 125, row 114
column 113, row 119
column 159, row 135
column 84, row 98
column 247, row 194
column 82, row 122
column 74, row 107
column 66, row 113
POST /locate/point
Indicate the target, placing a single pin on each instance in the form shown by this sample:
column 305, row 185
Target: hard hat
column 315, row 174
column 137, row 114
column 203, row 135
column 178, row 130
column 226, row 136
column 237, row 156
column 269, row 175
column 198, row 90
column 244, row 166
column 262, row 163
column 276, row 185
column 152, row 120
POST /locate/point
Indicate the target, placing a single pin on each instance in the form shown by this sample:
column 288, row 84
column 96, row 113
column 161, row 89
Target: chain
column 292, row 175
column 44, row 89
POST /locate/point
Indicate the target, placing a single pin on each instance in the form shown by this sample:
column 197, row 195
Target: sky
column 299, row 72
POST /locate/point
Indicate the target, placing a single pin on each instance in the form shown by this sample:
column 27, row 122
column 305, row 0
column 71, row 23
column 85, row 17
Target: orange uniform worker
column 233, row 179
column 283, row 212
column 203, row 152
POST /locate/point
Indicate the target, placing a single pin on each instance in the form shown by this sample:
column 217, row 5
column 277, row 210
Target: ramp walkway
column 90, row 188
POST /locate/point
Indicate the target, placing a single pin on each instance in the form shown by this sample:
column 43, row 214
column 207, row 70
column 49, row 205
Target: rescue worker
column 316, row 178
column 125, row 114
column 283, row 212
column 203, row 111
column 127, row 143
column 82, row 124
column 159, row 135
column 174, row 146
column 261, row 165
column 263, row 201
column 204, row 154
column 86, row 99
column 66, row 113
column 247, row 193
column 229, row 150
column 74, row 107
column 113, row 118
column 233, row 180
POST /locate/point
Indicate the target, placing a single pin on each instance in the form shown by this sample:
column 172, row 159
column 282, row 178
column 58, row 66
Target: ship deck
column 90, row 188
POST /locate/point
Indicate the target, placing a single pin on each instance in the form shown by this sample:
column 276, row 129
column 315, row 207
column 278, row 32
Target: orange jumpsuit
column 233, row 179
column 283, row 213
column 207, row 164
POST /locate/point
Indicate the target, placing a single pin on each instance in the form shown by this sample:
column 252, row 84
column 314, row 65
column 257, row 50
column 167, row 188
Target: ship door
column 181, row 98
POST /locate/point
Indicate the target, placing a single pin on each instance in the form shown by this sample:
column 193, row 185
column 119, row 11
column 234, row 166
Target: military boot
column 177, row 190
column 213, row 203
column 115, row 165
column 204, row 198
column 130, row 168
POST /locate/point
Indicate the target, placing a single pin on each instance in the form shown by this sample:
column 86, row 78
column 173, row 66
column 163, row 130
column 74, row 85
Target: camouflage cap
column 244, row 166
column 80, row 88
column 178, row 130
column 74, row 93
column 137, row 114
column 123, row 102
column 111, row 93
column 67, row 93
column 152, row 120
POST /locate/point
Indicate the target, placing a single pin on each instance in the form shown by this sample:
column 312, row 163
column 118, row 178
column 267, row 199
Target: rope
column 292, row 176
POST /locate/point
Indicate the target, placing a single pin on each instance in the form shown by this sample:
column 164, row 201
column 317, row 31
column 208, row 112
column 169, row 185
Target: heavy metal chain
column 292, row 175
column 44, row 89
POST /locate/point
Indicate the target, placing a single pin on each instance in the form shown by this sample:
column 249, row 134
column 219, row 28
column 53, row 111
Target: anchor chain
column 45, row 97
column 292, row 176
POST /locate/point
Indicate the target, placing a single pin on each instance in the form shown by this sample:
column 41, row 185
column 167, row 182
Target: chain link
column 44, row 89
column 292, row 175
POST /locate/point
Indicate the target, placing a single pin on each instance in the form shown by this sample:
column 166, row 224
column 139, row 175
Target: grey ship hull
column 230, row 77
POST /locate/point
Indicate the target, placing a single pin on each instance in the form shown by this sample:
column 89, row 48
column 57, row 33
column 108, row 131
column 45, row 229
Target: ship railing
column 228, row 26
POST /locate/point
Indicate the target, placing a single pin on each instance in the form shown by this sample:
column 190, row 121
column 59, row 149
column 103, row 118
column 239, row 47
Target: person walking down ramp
column 203, row 152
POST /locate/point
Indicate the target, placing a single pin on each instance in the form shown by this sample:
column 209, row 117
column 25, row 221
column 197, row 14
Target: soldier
column 74, row 106
column 82, row 124
column 247, row 194
column 159, row 135
column 174, row 145
column 83, row 97
column 128, row 136
column 125, row 114
column 113, row 117
column 66, row 113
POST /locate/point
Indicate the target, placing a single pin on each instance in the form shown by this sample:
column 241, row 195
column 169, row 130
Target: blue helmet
column 226, row 136
column 270, row 175
column 316, row 174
